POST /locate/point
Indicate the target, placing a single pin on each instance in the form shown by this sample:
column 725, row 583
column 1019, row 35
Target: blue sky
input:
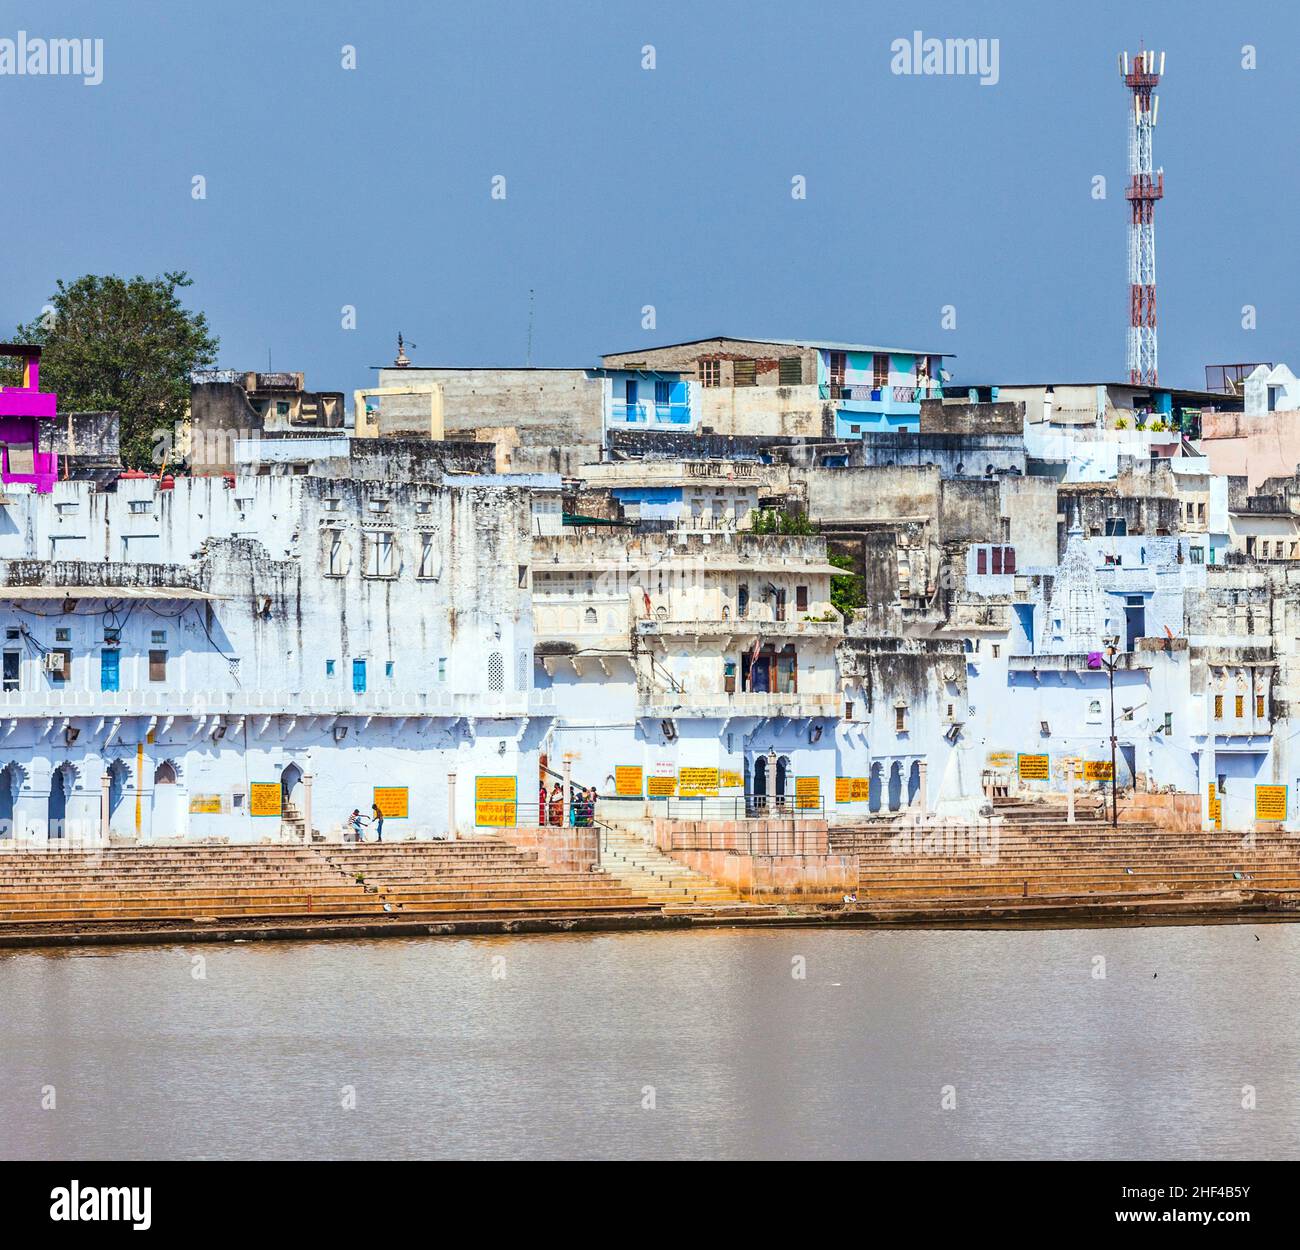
column 668, row 187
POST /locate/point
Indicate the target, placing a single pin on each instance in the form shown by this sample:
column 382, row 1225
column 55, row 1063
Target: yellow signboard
column 999, row 759
column 1034, row 767
column 1097, row 770
column 661, row 787
column 627, row 781
column 1215, row 806
column 844, row 789
column 205, row 805
column 1270, row 802
column 494, row 800
column 807, row 792
column 393, row 802
column 494, row 814
column 699, row 783
column 731, row 780
column 861, row 789
column 264, row 798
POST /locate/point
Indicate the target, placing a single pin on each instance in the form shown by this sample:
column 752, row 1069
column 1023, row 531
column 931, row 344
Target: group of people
column 357, row 823
column 582, row 805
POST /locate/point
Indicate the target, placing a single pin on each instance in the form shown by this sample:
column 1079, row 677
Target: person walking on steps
column 377, row 819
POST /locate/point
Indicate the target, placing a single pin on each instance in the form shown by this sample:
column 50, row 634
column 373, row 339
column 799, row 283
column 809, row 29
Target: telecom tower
column 1145, row 187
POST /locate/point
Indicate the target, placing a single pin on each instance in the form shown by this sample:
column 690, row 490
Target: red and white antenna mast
column 1146, row 186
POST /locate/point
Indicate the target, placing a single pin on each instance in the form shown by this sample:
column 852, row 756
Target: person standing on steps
column 377, row 819
column 354, row 823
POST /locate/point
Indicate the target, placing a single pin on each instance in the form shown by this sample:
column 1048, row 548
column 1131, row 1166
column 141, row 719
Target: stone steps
column 477, row 877
column 644, row 868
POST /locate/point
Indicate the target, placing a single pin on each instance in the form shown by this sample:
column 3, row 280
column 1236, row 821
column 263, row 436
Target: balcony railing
column 664, row 414
column 744, row 703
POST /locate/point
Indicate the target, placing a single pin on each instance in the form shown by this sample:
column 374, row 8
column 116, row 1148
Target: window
column 997, row 650
column 997, row 560
column 1008, row 559
column 1116, row 526
column 329, row 668
column 780, row 605
column 900, row 720
column 158, row 637
column 710, row 373
column 281, row 408
column 423, row 506
column 13, row 670
column 742, row 602
column 157, row 665
column 63, row 635
column 663, row 394
column 801, row 598
column 1263, row 549
column 745, row 373
column 1241, row 706
column 496, row 671
column 1197, row 554
column 442, row 668
column 378, row 505
column 589, row 617
column 109, row 669
column 139, row 505
column 837, row 364
column 1259, row 706
column 428, row 557
column 331, row 505
column 790, row 371
column 12, row 633
column 388, row 668
column 982, row 560
column 358, row 677
column 880, row 371
column 848, row 711
column 1218, row 707
column 338, row 563
column 1169, row 723
column 381, row 556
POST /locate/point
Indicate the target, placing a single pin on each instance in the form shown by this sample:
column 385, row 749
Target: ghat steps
column 478, row 877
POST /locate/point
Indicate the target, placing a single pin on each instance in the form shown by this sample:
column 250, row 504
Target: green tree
column 848, row 591
column 770, row 521
column 127, row 345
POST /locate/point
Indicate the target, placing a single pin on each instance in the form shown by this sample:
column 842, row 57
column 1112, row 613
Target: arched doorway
column 895, row 786
column 913, row 782
column 874, row 787
column 760, row 782
column 292, row 817
column 164, row 815
column 782, row 776
column 8, row 784
column 61, row 782
column 118, row 774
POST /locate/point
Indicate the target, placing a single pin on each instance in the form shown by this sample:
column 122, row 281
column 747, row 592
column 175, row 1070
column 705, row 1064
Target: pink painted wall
column 22, row 409
column 1256, row 447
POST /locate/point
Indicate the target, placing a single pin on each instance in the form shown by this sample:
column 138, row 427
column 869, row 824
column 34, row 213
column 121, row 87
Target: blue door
column 358, row 676
column 108, row 669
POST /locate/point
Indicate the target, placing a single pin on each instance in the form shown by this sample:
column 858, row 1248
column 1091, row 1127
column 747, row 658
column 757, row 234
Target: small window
column 742, row 602
column 997, row 650
column 140, row 505
column 745, row 373
column 710, row 373
column 13, row 633
column 1197, row 554
column 880, row 370
column 1241, row 706
column 790, row 371
column 329, row 668
column 281, row 408
column 424, row 506
column 1259, row 705
column 157, row 665
column 378, row 505
column 63, row 635
column 428, row 553
column 496, row 671
column 982, row 560
column 442, row 668
column 801, row 598
column 848, row 711
column 158, row 637
column 338, row 564
column 13, row 667
column 1218, row 707
column 331, row 505
column 381, row 556
column 1169, row 723
column 388, row 668
column 900, row 720
column 358, row 677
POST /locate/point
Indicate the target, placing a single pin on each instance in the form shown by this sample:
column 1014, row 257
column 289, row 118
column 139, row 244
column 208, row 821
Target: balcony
column 662, row 414
column 693, row 703
column 745, row 627
column 63, row 702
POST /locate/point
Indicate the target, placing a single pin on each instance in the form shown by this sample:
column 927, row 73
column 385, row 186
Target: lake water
column 550, row 1046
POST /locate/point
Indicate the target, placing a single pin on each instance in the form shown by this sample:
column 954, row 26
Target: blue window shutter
column 358, row 676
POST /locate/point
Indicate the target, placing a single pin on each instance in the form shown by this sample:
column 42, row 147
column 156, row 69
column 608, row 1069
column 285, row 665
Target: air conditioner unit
column 54, row 661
